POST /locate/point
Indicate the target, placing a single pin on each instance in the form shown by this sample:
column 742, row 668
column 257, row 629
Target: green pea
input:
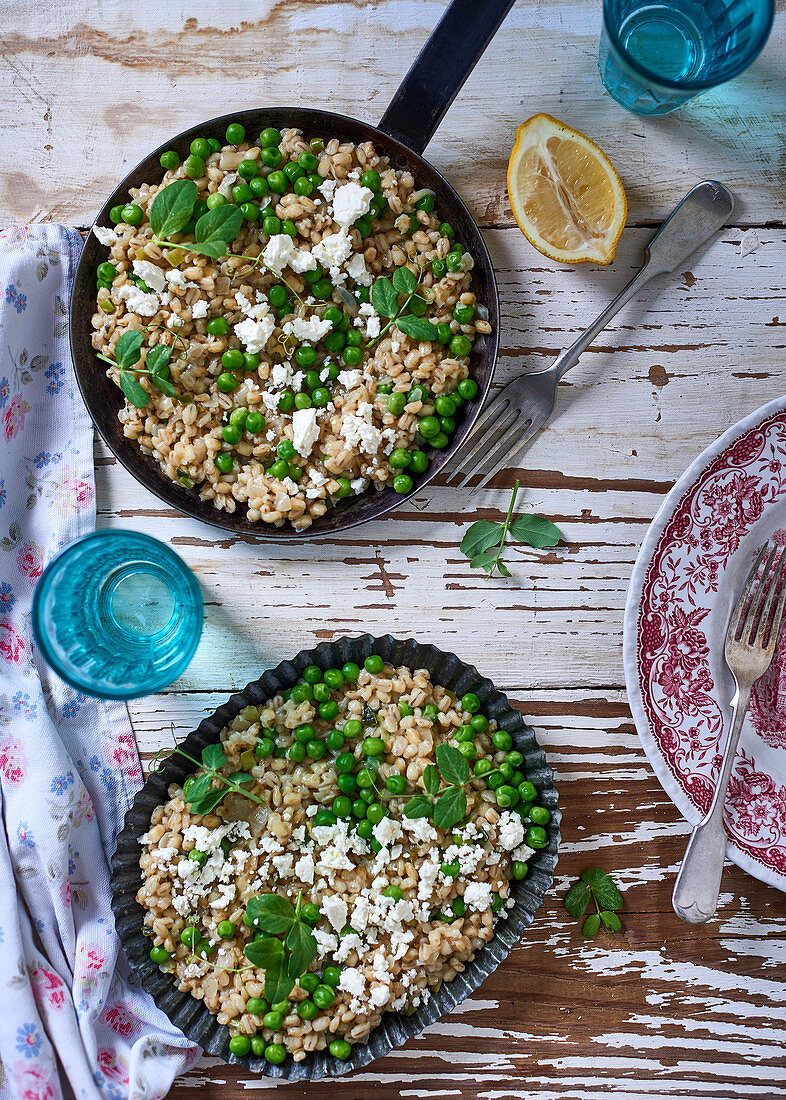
column 200, row 147
column 195, row 167
column 303, row 186
column 106, row 271
column 307, row 1010
column 405, row 710
column 248, row 169
column 116, row 214
column 328, row 711
column 353, row 727
column 303, row 401
column 270, row 226
column 352, row 356
column 275, row 1053
column 271, row 157
column 536, row 837
column 306, row 356
column 324, row 817
column 459, row 907
column 395, row 783
column 396, row 403
column 278, row 182
column 224, row 461
column 274, row 1020
column 159, row 955
column 341, row 806
column 451, row 869
column 429, row 427
column 297, row 753
column 418, row 463
column 518, row 869
column 312, row 674
column 372, row 180
column 340, row 1049
column 502, row 740
column 363, row 226
column 322, row 289
column 506, row 771
column 293, row 171
column 241, row 192
column 445, row 405
column 301, row 692
column 235, row 134
column 189, row 936
column 308, row 162
column 364, row 828
column 240, row 1045
column 507, row 795
column 169, row 160
column 482, row 767
column 257, row 1045
column 402, row 484
column 373, row 746
column 394, row 892
column 310, row 912
column 232, row 434
column 333, row 314
column 250, row 360
column 316, row 749
column 497, row 903
column 468, row 750
column 347, row 784
column 468, row 388
column 265, row 747
column 331, row 976
column 399, row 458
column 460, row 346
column 132, row 214
column 344, row 487
column 335, row 740
column 479, row 723
column 465, row 733
column 539, row 815
column 259, row 187
column 464, row 314
column 374, row 664
column 446, row 230
column 286, row 449
column 232, row 360
column 269, row 138
column 375, row 813
column 368, row 796
column 257, row 1006
column 334, row 677
column 217, row 326
column 309, row 982
column 494, row 780
column 286, row 401
column 527, row 791
column 353, row 338
column 289, row 227
column 431, row 711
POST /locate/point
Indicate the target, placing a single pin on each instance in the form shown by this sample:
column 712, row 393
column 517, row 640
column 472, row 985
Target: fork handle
column 695, row 896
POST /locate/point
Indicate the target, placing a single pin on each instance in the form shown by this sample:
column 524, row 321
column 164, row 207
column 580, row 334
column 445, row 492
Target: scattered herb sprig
column 450, row 806
column 128, row 350
column 202, row 797
column 283, row 960
column 595, row 886
column 384, row 298
column 484, row 541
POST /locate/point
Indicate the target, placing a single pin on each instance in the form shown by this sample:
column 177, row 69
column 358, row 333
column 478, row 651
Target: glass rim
column 686, row 85
column 42, row 641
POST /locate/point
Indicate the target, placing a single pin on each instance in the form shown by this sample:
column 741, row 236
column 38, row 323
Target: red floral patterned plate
column 690, row 568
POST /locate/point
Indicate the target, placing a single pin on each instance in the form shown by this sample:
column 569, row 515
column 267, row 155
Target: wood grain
column 90, row 90
column 662, row 1009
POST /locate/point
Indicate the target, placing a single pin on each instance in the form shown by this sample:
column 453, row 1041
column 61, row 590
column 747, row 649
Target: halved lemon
column 565, row 193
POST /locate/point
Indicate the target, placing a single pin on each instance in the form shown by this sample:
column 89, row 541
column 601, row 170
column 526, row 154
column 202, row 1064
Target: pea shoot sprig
column 200, row 794
column 285, row 959
column 128, row 350
column 450, row 806
column 596, row 886
column 171, row 211
column 384, row 298
column 484, row 541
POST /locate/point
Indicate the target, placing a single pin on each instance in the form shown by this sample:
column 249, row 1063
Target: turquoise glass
column 117, row 615
column 654, row 57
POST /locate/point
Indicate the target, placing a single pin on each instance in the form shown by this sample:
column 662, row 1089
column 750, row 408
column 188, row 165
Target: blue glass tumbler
column 117, row 614
column 655, row 56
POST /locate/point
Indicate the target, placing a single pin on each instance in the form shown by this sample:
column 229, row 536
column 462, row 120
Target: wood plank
column 92, row 89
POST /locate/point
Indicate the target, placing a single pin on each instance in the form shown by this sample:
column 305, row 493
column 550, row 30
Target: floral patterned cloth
column 74, row 1022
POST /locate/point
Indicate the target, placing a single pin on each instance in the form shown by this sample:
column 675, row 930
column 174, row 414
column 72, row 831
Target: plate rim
column 630, row 632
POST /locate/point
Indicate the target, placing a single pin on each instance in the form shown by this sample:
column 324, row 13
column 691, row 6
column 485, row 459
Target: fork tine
column 771, row 594
column 496, row 434
column 480, row 441
column 742, row 599
column 488, row 416
column 499, row 454
column 776, row 621
column 757, row 600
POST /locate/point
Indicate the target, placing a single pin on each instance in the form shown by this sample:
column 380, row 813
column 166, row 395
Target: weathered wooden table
column 662, row 1008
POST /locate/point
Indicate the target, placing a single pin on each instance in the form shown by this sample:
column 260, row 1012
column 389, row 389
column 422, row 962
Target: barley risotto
column 289, row 321
column 345, row 849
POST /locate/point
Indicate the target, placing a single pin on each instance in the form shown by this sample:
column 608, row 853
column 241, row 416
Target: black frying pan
column 407, row 126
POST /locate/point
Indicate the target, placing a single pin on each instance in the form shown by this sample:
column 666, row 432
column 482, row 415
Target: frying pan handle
column 456, row 45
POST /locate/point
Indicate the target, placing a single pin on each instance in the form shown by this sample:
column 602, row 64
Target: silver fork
column 750, row 643
column 525, row 404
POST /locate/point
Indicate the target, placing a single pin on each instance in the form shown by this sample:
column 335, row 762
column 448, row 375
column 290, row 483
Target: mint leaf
column 453, row 765
column 271, row 913
column 214, row 249
column 264, row 953
column 535, row 531
column 136, row 394
column 164, row 385
column 577, row 899
column 384, row 297
column 127, row 348
column 404, row 280
column 302, row 949
column 431, row 779
column 278, row 983
column 479, row 537
column 450, row 807
column 172, row 207
column 605, row 892
column 419, row 328
column 199, row 787
column 209, row 802
column 157, row 361
column 419, row 806
column 213, row 757
column 222, row 223
column 611, row 920
column 591, row 926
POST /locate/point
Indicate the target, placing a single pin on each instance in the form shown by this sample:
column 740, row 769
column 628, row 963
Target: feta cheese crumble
column 306, row 430
column 350, row 202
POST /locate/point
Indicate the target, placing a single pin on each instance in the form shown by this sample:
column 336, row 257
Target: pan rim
column 122, row 449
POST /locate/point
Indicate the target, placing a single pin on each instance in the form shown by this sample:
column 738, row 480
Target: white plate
column 690, row 568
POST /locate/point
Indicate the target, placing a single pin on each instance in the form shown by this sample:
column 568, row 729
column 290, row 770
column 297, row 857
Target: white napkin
column 73, row 1022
